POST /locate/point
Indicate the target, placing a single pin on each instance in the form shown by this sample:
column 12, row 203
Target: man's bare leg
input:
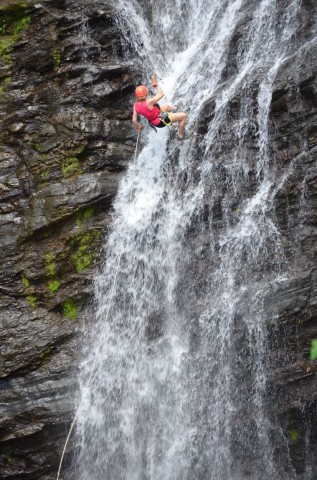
column 179, row 118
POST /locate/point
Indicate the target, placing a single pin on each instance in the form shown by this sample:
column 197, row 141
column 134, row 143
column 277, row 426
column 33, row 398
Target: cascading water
column 174, row 383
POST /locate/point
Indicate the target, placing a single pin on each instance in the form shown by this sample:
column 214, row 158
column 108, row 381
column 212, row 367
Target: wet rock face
column 291, row 306
column 294, row 146
column 66, row 138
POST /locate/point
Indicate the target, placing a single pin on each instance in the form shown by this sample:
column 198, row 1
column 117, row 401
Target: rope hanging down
column 106, row 318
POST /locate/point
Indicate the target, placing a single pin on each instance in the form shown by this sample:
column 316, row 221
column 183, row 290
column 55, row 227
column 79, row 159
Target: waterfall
column 174, row 380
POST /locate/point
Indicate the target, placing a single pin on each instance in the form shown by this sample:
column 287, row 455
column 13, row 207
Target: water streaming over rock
column 174, row 385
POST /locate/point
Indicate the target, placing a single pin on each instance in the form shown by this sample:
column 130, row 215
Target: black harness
column 164, row 117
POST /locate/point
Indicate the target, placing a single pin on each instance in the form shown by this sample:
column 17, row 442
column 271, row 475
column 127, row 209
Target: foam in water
column 173, row 386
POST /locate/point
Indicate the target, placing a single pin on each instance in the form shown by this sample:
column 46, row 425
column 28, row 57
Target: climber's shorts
column 166, row 120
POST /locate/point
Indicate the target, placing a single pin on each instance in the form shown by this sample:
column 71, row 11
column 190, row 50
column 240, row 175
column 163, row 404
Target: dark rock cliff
column 294, row 146
column 66, row 138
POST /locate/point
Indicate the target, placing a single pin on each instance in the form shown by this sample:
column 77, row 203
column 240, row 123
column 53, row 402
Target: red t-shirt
column 151, row 115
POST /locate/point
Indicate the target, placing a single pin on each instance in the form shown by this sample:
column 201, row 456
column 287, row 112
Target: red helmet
column 141, row 91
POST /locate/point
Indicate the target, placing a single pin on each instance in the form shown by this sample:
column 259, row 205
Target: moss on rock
column 84, row 215
column 57, row 57
column 70, row 309
column 10, row 458
column 71, row 166
column 50, row 264
column 84, row 249
column 294, row 435
column 53, row 286
column 31, row 299
column 14, row 21
column 25, row 280
column 46, row 353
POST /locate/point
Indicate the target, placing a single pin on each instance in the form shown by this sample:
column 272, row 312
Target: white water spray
column 174, row 385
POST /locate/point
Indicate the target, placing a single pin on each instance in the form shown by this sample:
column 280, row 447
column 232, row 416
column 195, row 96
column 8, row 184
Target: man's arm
column 137, row 125
column 158, row 96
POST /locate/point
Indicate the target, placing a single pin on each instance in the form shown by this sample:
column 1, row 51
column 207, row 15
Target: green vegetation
column 25, row 281
column 5, row 86
column 10, row 458
column 84, row 252
column 70, row 309
column 45, row 174
column 53, row 286
column 71, row 166
column 84, row 215
column 47, row 352
column 15, row 20
column 62, row 212
column 82, row 258
column 31, row 299
column 6, row 44
column 50, row 264
column 294, row 435
column 57, row 59
column 78, row 150
column 50, row 268
column 50, row 257
column 38, row 147
column 293, row 429
column 313, row 350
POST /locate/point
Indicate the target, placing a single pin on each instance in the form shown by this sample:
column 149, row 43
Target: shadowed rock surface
column 66, row 138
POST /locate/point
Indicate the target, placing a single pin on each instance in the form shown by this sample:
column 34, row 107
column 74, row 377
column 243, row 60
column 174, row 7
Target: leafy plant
column 25, row 281
column 21, row 25
column 294, row 435
column 50, row 264
column 53, row 286
column 47, row 352
column 313, row 350
column 84, row 215
column 71, row 166
column 84, row 249
column 31, row 300
column 3, row 27
column 70, row 309
column 57, row 59
column 10, row 458
column 15, row 20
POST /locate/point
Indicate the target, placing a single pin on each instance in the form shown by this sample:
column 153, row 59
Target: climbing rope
column 106, row 318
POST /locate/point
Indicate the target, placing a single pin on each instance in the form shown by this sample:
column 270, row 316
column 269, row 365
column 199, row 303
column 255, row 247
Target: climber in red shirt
column 158, row 116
